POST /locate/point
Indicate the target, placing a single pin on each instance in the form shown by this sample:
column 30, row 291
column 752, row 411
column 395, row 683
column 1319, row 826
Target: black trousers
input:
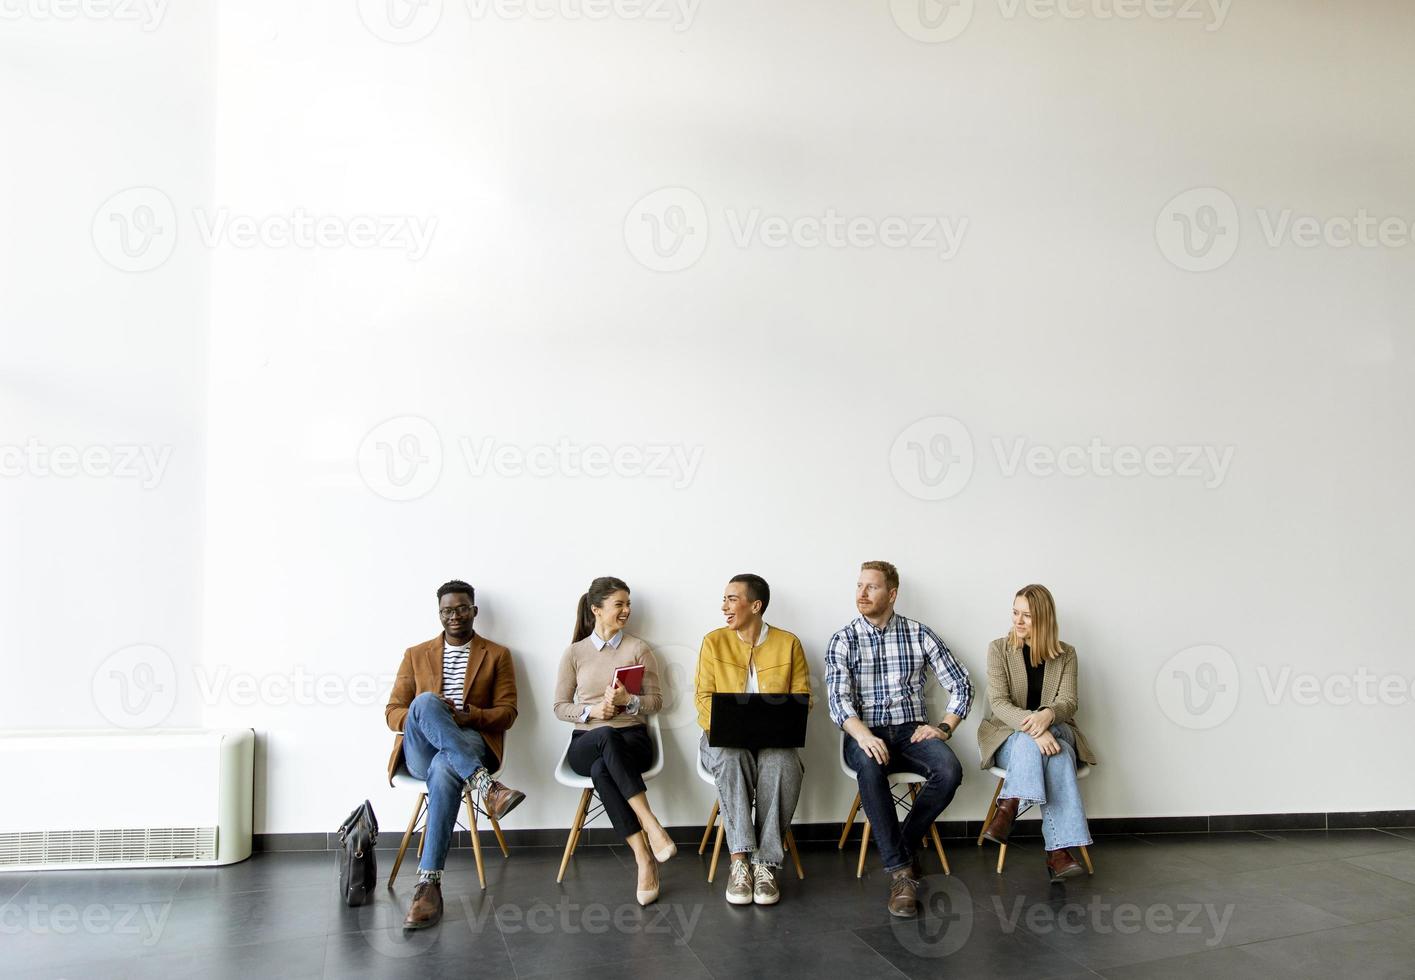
column 615, row 758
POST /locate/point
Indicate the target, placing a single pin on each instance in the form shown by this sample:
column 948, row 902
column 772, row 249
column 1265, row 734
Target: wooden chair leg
column 580, row 828
column 1085, row 856
column 864, row 845
column 407, row 836
column 938, row 846
column 500, row 840
column 1001, row 856
column 707, row 831
column 716, row 851
column 574, row 830
column 992, row 812
column 476, row 840
column 795, row 854
column 849, row 823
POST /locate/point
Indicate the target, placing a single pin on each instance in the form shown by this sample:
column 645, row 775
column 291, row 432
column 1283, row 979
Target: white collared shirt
column 613, row 641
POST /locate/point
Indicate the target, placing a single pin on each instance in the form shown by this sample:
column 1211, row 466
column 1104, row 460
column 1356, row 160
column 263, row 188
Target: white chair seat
column 566, row 776
column 1082, row 771
column 910, row 779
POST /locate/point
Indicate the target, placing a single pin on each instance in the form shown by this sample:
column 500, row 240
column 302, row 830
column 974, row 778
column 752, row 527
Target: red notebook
column 631, row 677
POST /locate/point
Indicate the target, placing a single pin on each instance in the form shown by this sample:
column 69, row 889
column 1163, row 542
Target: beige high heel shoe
column 648, row 895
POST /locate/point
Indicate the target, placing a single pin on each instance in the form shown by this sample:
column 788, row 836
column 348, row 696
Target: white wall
column 799, row 374
column 102, row 360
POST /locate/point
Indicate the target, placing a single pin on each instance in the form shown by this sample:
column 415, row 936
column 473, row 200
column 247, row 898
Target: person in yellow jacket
column 748, row 656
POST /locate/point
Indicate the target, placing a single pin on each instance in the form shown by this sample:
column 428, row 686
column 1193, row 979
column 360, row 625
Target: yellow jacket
column 722, row 667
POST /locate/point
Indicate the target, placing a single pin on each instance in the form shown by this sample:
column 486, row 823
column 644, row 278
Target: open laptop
column 759, row 721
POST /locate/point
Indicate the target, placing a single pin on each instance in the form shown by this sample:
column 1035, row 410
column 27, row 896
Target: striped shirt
column 877, row 675
column 454, row 670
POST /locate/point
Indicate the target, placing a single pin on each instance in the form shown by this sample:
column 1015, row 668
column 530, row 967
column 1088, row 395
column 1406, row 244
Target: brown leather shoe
column 1060, row 865
column 426, row 909
column 501, row 800
column 1001, row 823
column 903, row 895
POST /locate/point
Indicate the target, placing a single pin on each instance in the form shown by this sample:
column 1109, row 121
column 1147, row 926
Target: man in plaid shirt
column 874, row 678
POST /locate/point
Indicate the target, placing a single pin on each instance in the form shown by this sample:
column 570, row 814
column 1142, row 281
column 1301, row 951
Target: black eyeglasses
column 462, row 611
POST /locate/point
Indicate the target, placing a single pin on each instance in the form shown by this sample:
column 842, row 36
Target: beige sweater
column 585, row 672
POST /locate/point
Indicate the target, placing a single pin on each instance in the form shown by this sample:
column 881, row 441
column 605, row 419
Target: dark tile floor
column 1286, row 905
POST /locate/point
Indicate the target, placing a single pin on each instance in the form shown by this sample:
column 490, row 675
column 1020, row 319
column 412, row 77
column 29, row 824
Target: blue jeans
column 1048, row 781
column 437, row 751
column 930, row 758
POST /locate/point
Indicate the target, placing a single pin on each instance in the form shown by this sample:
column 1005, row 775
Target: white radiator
column 125, row 799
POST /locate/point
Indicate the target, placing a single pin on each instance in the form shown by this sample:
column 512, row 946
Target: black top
column 1034, row 680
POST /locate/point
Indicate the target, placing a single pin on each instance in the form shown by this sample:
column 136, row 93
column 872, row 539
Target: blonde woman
column 1030, row 730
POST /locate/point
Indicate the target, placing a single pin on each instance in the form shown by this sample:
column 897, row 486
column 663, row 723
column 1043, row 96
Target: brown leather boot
column 1060, row 865
column 903, row 895
column 501, row 800
column 1001, row 823
column 426, row 909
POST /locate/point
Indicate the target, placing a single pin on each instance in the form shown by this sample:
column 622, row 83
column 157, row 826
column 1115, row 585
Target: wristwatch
column 946, row 728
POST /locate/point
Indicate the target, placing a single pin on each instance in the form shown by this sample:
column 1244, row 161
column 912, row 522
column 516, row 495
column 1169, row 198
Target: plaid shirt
column 877, row 675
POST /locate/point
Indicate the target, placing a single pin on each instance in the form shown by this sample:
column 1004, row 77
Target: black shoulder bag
column 358, row 868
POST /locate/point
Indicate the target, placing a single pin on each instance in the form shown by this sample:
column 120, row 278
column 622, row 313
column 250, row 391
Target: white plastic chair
column 589, row 807
column 706, row 776
column 911, row 780
column 406, row 781
column 1082, row 771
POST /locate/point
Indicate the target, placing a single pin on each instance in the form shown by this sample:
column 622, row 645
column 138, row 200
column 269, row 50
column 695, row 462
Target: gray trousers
column 771, row 778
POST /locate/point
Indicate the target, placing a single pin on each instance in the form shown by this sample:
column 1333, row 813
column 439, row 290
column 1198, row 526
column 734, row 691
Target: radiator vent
column 149, row 845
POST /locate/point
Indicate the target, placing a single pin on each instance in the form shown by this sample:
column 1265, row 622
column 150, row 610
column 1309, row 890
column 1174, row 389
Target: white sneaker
column 739, row 884
column 764, row 890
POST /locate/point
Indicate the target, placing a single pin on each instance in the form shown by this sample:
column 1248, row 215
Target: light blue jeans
column 1048, row 781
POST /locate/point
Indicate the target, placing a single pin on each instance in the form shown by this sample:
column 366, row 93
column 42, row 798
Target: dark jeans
column 615, row 758
column 930, row 758
column 437, row 751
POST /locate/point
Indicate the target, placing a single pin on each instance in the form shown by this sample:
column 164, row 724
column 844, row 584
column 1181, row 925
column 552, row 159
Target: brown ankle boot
column 1060, row 865
column 903, row 895
column 1001, row 823
column 426, row 909
column 501, row 800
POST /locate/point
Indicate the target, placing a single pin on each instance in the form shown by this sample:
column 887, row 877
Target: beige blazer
column 1007, row 692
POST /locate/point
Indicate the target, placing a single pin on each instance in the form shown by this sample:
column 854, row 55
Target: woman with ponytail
column 611, row 742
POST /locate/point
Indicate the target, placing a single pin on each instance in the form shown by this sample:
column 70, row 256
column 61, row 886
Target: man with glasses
column 454, row 698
